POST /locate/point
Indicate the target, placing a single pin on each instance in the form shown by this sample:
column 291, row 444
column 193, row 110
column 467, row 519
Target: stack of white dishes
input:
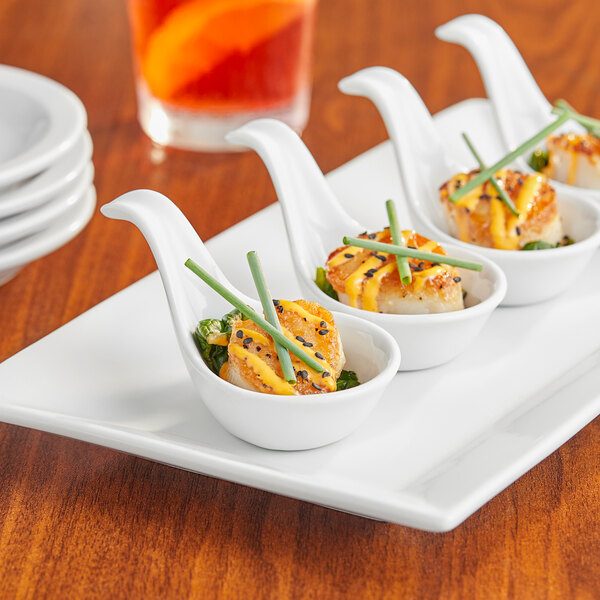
column 47, row 194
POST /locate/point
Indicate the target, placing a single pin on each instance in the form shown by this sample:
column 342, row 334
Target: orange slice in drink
column 196, row 36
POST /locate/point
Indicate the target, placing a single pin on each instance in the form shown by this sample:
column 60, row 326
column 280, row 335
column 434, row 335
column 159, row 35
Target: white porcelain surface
column 34, row 220
column 267, row 420
column 49, row 183
column 316, row 225
column 439, row 444
column 520, row 106
column 17, row 254
column 425, row 163
column 40, row 121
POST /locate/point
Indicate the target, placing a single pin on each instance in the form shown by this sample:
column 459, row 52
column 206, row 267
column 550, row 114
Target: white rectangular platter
column 441, row 443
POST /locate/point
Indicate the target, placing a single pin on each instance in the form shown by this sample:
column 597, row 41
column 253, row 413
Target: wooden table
column 80, row 521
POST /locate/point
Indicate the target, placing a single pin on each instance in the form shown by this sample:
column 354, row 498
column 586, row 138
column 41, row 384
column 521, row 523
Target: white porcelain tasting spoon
column 532, row 276
column 266, row 420
column 520, row 106
column 316, row 225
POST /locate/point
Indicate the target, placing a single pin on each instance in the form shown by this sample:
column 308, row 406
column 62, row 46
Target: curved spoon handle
column 421, row 158
column 172, row 240
column 520, row 106
column 313, row 216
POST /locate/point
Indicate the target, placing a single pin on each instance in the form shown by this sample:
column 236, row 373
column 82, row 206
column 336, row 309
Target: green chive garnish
column 269, row 309
column 253, row 316
column 398, row 239
column 402, row 251
column 592, row 125
column 503, row 196
column 565, row 115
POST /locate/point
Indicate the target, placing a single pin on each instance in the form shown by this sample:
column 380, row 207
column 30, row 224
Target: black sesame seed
column 518, row 230
column 368, row 273
column 302, row 374
column 435, row 264
column 300, row 338
column 457, row 279
column 239, row 334
column 372, row 236
column 307, row 344
column 279, row 308
column 258, row 348
column 323, row 331
column 248, row 340
column 348, row 255
column 485, row 197
column 276, row 302
column 379, row 257
column 319, row 355
column 317, row 387
column 326, row 374
column 323, row 324
column 268, row 355
column 363, row 233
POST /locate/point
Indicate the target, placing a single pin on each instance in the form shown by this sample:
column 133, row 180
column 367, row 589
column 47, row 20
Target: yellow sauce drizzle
column 340, row 258
column 263, row 370
column 423, row 276
column 354, row 283
column 572, row 168
column 218, row 339
column 429, row 246
column 329, row 382
column 372, row 286
column 301, row 312
column 470, row 200
column 257, row 337
column 504, row 231
column 223, row 373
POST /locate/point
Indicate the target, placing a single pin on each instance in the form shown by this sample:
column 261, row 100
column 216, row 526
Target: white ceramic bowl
column 433, row 339
column 40, row 120
column 48, row 184
column 316, row 225
column 532, row 276
column 520, row 106
column 266, row 420
column 14, row 256
column 42, row 217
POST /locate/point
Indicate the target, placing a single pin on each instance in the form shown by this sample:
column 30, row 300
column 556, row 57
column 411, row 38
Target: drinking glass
column 205, row 67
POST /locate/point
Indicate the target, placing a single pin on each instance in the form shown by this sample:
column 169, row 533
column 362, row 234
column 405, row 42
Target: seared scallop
column 370, row 280
column 480, row 217
column 253, row 363
column 574, row 159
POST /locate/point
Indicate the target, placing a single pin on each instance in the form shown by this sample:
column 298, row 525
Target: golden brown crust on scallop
column 442, row 288
column 541, row 220
column 311, row 326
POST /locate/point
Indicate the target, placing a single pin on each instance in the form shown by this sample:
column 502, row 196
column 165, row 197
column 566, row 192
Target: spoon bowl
column 424, row 165
column 316, row 224
column 520, row 107
column 266, row 420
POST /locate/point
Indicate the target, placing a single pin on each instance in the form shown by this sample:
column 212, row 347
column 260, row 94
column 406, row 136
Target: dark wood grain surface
column 79, row 521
